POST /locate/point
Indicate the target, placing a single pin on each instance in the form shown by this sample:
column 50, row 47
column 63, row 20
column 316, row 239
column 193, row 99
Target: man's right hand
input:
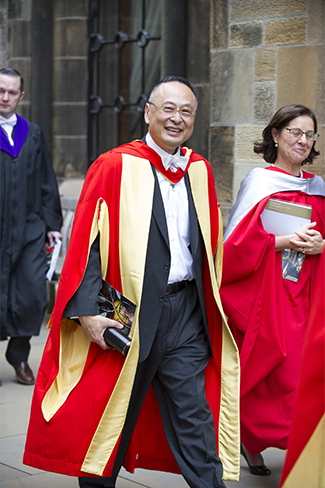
column 94, row 326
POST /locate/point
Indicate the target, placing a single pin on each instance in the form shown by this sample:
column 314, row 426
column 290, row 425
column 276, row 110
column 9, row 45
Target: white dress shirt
column 8, row 126
column 175, row 201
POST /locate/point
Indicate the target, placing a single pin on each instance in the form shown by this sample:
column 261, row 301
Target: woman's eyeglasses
column 310, row 134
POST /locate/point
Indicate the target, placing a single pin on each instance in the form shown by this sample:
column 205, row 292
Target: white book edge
column 54, row 259
column 282, row 218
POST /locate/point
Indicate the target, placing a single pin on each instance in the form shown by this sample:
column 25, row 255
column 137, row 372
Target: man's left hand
column 52, row 235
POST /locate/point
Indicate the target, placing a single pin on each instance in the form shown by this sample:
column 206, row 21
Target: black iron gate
column 124, row 63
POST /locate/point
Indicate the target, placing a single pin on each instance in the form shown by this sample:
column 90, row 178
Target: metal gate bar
column 96, row 43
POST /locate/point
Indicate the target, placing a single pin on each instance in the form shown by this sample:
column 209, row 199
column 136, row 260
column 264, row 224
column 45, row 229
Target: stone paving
column 15, row 402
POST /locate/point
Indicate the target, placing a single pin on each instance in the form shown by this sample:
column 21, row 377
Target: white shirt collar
column 8, row 125
column 172, row 161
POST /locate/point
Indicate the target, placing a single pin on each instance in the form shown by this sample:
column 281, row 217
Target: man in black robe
column 30, row 215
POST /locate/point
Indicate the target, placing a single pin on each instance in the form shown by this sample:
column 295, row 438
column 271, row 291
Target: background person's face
column 10, row 94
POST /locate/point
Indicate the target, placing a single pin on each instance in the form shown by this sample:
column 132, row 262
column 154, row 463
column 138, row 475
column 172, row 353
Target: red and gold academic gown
column 268, row 314
column 304, row 464
column 82, row 392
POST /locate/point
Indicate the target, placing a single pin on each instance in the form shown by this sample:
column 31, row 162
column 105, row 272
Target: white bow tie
column 12, row 120
column 175, row 161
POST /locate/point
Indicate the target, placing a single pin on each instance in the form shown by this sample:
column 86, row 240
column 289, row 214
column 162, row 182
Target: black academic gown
column 30, row 207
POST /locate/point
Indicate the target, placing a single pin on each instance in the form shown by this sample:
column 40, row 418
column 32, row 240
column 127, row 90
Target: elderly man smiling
column 147, row 222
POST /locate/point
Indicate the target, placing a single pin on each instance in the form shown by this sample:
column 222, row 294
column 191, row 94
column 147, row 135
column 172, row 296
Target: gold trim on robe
column 229, row 424
column 135, row 217
column 309, row 469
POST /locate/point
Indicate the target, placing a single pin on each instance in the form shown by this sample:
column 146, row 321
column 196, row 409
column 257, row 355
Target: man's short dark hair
column 170, row 78
column 13, row 72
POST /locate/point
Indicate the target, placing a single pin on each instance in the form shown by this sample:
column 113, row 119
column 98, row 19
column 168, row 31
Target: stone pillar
column 223, row 107
column 16, row 44
column 70, row 80
column 42, row 66
column 197, row 69
column 173, row 38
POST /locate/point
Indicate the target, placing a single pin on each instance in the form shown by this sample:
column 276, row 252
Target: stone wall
column 263, row 55
column 245, row 58
column 47, row 43
column 15, row 47
column 70, row 83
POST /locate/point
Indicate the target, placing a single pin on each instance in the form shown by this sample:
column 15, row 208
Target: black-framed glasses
column 184, row 112
column 310, row 134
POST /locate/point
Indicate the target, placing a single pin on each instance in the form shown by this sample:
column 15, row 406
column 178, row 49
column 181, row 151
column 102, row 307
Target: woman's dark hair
column 280, row 120
column 13, row 72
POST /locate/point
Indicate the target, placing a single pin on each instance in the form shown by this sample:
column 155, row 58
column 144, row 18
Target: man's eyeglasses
column 310, row 134
column 184, row 112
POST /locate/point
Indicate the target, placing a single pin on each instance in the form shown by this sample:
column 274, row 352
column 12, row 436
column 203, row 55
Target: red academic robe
column 304, row 463
column 82, row 392
column 268, row 316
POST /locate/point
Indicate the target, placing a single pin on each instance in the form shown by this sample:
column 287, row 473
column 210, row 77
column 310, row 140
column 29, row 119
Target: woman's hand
column 308, row 240
column 94, row 326
column 305, row 239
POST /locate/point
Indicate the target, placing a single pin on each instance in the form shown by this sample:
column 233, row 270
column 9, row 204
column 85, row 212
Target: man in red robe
column 147, row 222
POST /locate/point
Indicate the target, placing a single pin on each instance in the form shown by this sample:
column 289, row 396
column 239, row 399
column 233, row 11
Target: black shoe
column 261, row 470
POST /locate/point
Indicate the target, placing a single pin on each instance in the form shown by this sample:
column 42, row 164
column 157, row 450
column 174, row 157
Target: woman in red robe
column 268, row 309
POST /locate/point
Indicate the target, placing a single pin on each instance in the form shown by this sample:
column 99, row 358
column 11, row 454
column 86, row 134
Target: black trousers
column 18, row 349
column 175, row 367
